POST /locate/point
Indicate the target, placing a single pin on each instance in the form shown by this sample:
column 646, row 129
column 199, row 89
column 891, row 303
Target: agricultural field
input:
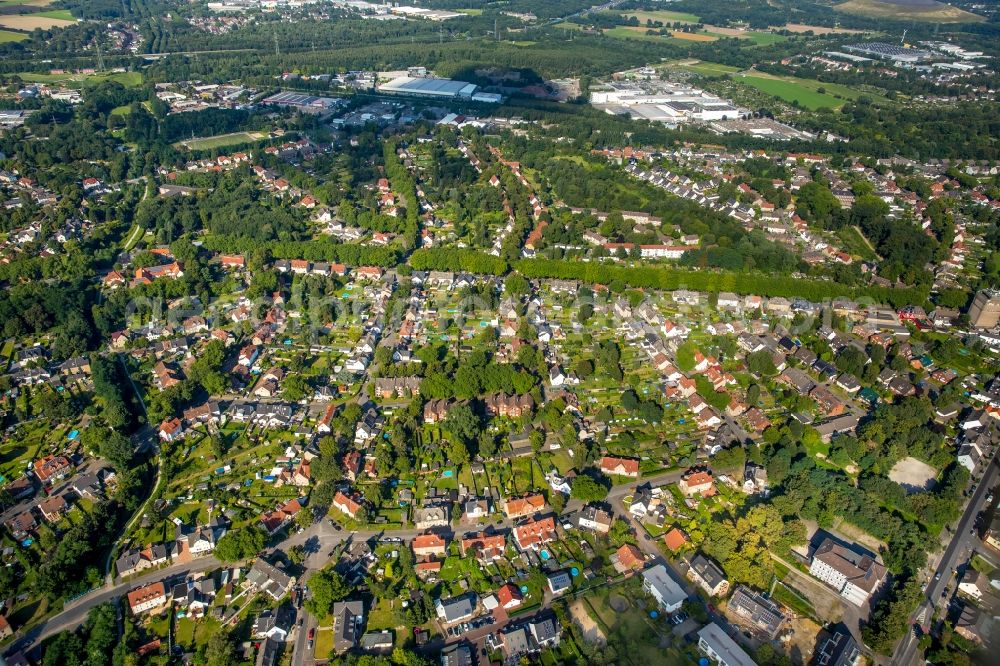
column 820, row 30
column 221, row 140
column 662, row 16
column 909, row 10
column 632, row 32
column 8, row 36
column 29, row 22
column 693, row 36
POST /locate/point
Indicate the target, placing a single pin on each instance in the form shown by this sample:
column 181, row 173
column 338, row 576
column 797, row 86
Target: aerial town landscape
column 473, row 332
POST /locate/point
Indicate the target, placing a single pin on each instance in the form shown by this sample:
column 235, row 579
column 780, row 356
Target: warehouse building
column 439, row 88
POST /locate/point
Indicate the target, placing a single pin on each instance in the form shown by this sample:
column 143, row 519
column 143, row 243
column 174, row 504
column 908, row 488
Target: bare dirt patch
column 588, row 626
column 28, row 22
column 803, row 640
column 693, row 37
column 914, row 475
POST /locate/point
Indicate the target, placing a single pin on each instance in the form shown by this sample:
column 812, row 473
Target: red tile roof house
column 232, row 261
column 520, row 507
column 171, row 429
column 628, row 558
column 535, row 534
column 620, row 466
column 51, row 468
column 345, row 504
column 275, row 520
column 429, row 544
column 428, row 568
column 697, row 481
column 485, row 547
column 675, row 539
column 509, row 596
column 143, row 599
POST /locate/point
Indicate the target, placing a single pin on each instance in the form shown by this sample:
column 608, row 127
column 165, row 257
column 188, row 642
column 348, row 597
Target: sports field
column 764, row 38
column 221, row 140
column 910, row 10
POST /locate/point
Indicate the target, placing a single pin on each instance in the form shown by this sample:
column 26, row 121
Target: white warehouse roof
column 428, row 86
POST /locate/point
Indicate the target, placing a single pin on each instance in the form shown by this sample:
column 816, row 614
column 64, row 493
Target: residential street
column 319, row 540
column 958, row 550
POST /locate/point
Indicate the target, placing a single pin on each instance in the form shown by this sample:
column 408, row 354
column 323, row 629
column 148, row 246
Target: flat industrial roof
column 421, row 86
column 290, row 98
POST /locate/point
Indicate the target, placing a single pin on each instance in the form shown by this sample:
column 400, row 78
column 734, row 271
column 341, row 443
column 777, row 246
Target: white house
column 855, row 575
column 659, row 584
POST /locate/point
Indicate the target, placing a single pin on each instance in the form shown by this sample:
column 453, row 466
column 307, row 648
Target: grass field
column 470, row 12
column 806, row 91
column 936, row 12
column 819, row 30
column 639, row 34
column 221, row 141
column 26, row 3
column 70, row 80
column 706, row 68
column 765, row 38
column 663, row 16
column 855, row 243
column 791, row 91
column 63, row 14
column 8, row 36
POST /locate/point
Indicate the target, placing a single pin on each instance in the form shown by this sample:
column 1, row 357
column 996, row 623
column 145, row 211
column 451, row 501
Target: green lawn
column 70, row 80
column 765, row 38
column 8, row 36
column 794, row 91
column 855, row 244
column 706, row 68
column 623, row 32
column 63, row 14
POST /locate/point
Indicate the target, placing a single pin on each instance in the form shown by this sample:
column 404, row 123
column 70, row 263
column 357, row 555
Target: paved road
column 319, row 540
column 963, row 542
column 76, row 611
